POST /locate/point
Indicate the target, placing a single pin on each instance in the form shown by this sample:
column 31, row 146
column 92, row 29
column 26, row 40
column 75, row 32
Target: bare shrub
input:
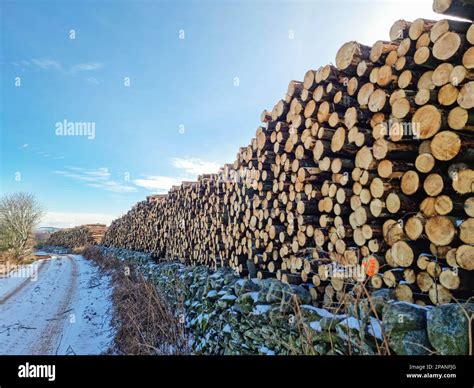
column 148, row 324
column 19, row 214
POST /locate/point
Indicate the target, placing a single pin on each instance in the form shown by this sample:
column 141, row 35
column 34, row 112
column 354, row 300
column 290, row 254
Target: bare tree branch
column 19, row 214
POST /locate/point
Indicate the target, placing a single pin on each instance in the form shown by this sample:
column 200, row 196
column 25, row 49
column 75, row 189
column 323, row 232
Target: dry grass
column 306, row 334
column 470, row 321
column 381, row 347
column 105, row 262
column 147, row 324
column 145, row 321
column 354, row 343
column 9, row 263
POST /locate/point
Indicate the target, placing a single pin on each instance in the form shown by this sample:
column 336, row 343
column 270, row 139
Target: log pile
column 79, row 236
column 365, row 164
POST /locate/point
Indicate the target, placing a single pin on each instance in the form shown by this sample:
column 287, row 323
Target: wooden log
column 444, row 25
column 439, row 294
column 381, row 48
column 418, row 27
column 441, row 75
column 440, row 230
column 404, row 292
column 468, row 58
column 466, row 96
column 427, row 121
column 463, row 181
column 454, row 279
column 414, row 227
column 466, row 231
column 470, row 34
column 465, row 257
column 448, row 46
column 447, row 145
column 459, row 8
column 424, row 281
column 461, row 119
column 425, row 162
column 403, row 253
column 469, row 206
column 399, row 30
column 350, row 54
column 433, row 185
column 410, row 182
column 392, row 169
column 459, row 75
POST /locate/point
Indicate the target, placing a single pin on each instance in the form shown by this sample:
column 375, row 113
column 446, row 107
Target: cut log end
column 426, row 122
column 445, row 145
column 440, row 230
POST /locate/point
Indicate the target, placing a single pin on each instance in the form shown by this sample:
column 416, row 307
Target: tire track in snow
column 50, row 336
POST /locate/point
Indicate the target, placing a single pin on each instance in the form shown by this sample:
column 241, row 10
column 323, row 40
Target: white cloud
column 89, row 66
column 157, row 183
column 113, row 186
column 21, row 63
column 27, row 148
column 92, row 80
column 41, row 153
column 45, row 64
column 99, row 178
column 191, row 168
column 68, row 220
column 74, row 176
column 196, row 166
column 101, row 172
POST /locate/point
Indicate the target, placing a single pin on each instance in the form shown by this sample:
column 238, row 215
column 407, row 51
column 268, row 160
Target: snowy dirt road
column 60, row 305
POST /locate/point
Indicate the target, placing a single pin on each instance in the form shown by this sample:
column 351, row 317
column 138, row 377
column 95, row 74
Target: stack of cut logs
column 366, row 164
column 79, row 236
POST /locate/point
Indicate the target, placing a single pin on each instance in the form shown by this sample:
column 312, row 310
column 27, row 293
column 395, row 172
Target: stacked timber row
column 366, row 164
column 80, row 236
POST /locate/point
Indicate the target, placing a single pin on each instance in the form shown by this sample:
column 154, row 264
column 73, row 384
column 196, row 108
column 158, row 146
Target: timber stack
column 79, row 236
column 365, row 164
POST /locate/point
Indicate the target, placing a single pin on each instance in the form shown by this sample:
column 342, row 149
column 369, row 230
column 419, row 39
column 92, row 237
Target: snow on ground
column 20, row 277
column 60, row 305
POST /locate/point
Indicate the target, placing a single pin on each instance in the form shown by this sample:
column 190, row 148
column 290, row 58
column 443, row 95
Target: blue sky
column 163, row 108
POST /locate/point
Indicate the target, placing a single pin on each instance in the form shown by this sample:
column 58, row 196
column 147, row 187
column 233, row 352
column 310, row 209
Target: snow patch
column 317, row 310
column 316, row 326
column 67, row 310
column 375, row 328
column 266, row 351
column 261, row 309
